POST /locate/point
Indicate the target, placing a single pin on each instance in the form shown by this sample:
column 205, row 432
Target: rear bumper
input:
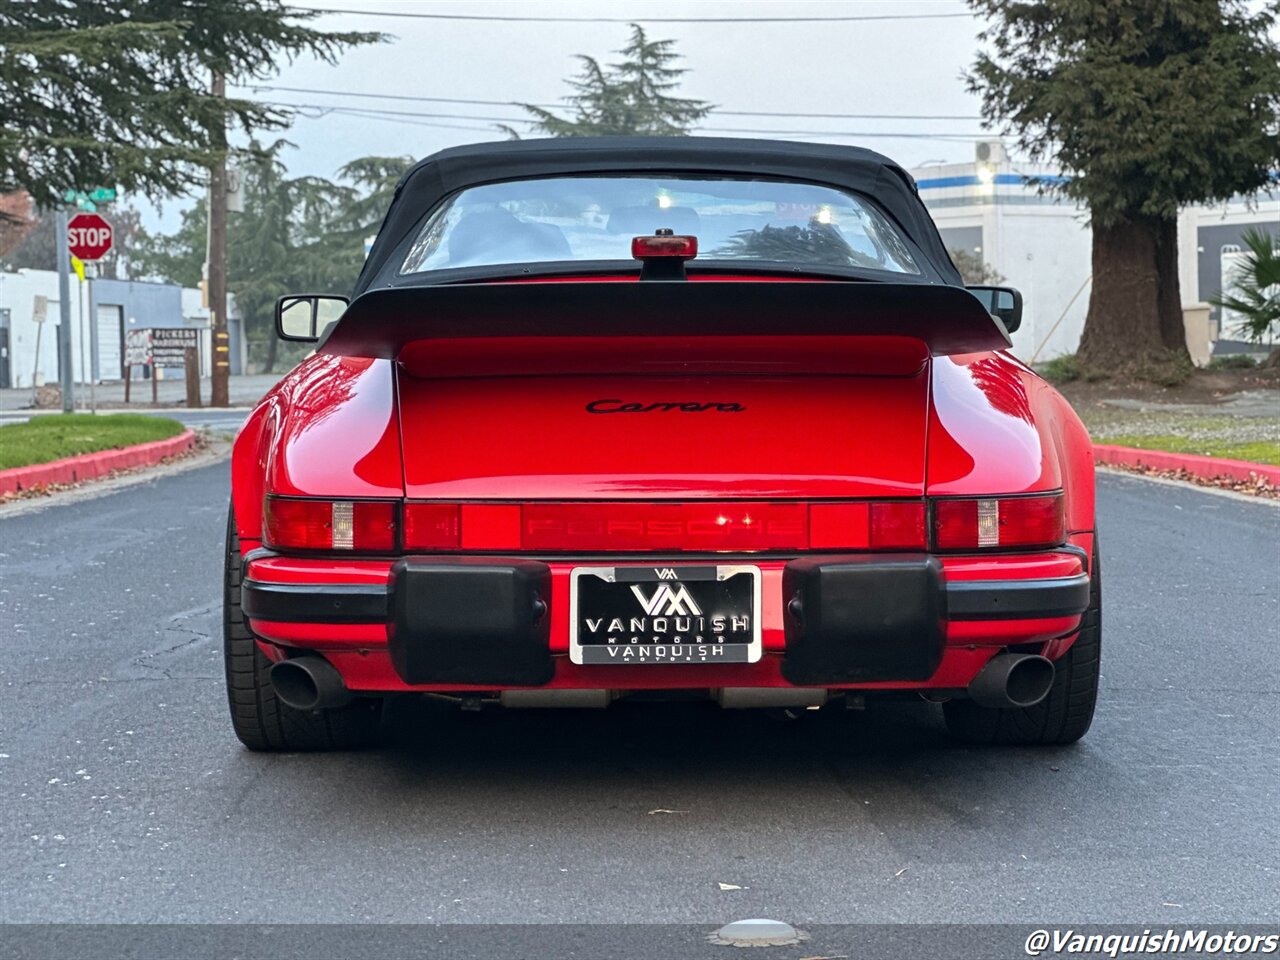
column 915, row 621
column 370, row 603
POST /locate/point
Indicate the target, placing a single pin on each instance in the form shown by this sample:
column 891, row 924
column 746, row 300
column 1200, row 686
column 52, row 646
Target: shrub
column 1063, row 369
column 1240, row 361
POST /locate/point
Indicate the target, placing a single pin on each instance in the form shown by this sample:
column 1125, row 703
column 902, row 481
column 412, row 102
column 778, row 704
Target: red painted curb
column 90, row 466
column 1207, row 468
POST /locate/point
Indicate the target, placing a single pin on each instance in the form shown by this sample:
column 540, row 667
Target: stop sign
column 88, row 236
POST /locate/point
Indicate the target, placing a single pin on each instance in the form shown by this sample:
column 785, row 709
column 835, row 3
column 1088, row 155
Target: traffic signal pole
column 217, row 258
column 65, row 361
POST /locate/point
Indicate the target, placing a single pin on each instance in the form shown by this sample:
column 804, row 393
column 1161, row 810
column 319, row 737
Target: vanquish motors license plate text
column 654, row 614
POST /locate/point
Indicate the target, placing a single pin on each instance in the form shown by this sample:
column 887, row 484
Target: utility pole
column 64, row 312
column 217, row 260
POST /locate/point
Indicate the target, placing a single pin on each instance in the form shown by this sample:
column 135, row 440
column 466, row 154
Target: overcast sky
column 893, row 66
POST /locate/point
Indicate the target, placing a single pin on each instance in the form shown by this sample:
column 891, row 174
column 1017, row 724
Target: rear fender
column 997, row 428
column 249, row 457
column 329, row 429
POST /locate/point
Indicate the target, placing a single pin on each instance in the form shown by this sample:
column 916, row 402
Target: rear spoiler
column 948, row 319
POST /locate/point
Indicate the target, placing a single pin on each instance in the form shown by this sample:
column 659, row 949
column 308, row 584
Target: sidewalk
column 244, row 392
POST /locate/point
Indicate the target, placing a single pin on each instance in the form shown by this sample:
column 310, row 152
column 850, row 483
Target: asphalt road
column 126, row 798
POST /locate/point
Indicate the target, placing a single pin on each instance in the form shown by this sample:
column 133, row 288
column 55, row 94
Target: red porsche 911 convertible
column 674, row 417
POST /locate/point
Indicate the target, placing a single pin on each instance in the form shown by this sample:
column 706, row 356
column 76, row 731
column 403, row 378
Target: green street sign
column 86, row 199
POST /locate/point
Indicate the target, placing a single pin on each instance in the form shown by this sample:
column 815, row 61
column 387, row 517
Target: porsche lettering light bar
column 701, row 526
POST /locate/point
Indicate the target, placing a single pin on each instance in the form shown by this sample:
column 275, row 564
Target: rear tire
column 260, row 720
column 1065, row 714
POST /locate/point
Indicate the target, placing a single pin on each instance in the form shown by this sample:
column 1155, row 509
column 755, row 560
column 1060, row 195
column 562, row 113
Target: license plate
column 645, row 615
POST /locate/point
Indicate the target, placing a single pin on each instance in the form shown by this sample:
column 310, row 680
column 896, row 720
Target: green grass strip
column 1255, row 451
column 54, row 436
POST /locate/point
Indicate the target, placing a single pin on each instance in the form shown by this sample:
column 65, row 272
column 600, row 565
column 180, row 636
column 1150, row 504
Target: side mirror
column 307, row 316
column 1004, row 303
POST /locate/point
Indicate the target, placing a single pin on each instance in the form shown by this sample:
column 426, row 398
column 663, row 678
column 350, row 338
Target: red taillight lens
column 665, row 526
column 305, row 524
column 885, row 525
column 897, row 526
column 297, row 524
column 679, row 248
column 638, row 526
column 998, row 522
column 432, row 526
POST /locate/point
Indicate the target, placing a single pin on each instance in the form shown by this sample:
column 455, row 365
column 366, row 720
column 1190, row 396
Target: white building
column 1041, row 243
column 102, row 311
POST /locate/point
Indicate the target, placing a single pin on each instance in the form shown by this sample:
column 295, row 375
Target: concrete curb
column 90, row 466
column 1206, row 468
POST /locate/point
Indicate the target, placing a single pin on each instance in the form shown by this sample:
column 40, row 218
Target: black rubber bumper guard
column 848, row 619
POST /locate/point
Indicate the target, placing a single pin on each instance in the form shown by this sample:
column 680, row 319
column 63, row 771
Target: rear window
column 594, row 219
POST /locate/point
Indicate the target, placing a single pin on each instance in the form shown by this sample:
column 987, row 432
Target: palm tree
column 1255, row 289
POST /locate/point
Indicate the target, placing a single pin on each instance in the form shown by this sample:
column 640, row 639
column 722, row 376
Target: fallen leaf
column 665, row 810
column 729, row 886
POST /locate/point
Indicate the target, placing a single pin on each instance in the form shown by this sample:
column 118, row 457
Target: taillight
column 431, row 526
column 706, row 526
column 295, row 523
column 694, row 526
column 993, row 522
column 370, row 526
column 897, row 525
column 884, row 525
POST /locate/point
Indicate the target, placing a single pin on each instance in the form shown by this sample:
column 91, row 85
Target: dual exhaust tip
column 1008, row 680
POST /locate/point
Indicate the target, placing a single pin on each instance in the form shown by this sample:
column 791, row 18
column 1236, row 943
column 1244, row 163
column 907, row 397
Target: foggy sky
column 884, row 67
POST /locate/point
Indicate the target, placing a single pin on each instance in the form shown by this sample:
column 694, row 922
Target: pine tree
column 633, row 97
column 117, row 93
column 1148, row 105
column 295, row 233
column 374, row 180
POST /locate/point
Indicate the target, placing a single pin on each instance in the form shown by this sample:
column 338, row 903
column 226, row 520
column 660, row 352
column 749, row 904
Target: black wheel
column 1061, row 717
column 260, row 720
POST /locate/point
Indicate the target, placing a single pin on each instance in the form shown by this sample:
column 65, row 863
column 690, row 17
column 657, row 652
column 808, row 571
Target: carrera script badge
column 671, row 406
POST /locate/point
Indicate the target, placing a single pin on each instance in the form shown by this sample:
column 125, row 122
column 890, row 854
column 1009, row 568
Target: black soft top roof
column 846, row 168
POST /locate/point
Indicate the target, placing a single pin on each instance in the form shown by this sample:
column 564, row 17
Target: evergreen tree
column 295, row 234
column 117, row 93
column 374, row 180
column 633, row 97
column 1148, row 105
column 973, row 269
